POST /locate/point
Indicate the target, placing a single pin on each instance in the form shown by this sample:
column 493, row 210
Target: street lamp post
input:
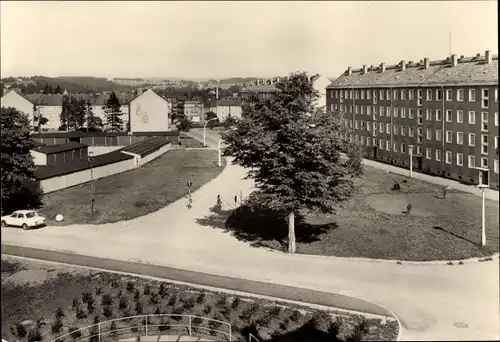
column 204, row 128
column 92, row 187
column 410, row 147
column 483, row 217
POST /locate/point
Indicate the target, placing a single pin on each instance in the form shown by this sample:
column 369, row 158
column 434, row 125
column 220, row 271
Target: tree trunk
column 291, row 232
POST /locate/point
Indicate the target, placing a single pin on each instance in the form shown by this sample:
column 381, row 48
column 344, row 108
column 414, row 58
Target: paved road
column 428, row 299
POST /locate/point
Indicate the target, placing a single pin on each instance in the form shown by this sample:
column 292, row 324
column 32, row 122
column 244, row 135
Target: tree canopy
column 293, row 152
column 113, row 113
column 19, row 190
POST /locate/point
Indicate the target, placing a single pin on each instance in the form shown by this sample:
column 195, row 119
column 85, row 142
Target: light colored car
column 23, row 218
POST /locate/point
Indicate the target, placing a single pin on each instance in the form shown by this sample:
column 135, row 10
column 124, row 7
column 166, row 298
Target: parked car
column 26, row 219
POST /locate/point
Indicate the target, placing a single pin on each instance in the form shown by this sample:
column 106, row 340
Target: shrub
column 157, row 311
column 34, row 335
column 98, row 290
column 137, row 295
column 76, row 303
column 263, row 321
column 207, row 309
column 163, row 290
column 147, row 289
column 139, row 308
column 359, row 332
column 226, row 312
column 236, row 303
column 222, row 302
column 96, row 319
column 59, row 313
column 75, row 332
column 200, row 299
column 213, row 325
column 90, row 307
column 172, row 300
column 21, row 330
column 123, row 303
column 283, row 326
column 106, row 300
column 197, row 320
column 295, row 316
column 130, row 286
column 56, row 326
column 334, row 328
column 153, row 298
column 86, row 297
column 114, row 283
column 107, row 311
column 275, row 311
column 80, row 313
column 120, row 293
column 396, row 186
column 189, row 303
column 113, row 328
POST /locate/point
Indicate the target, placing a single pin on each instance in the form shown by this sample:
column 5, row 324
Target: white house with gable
column 19, row 102
column 149, row 113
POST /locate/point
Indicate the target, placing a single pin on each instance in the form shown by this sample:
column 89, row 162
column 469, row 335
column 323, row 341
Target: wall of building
column 67, row 156
column 79, row 177
column 223, row 112
column 149, row 113
column 53, row 114
column 13, row 99
column 162, row 150
column 38, row 158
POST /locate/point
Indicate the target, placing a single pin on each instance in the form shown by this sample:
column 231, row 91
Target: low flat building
column 48, row 155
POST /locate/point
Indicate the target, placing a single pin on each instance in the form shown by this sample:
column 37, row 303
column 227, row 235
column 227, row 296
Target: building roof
column 146, row 147
column 468, row 71
column 51, row 149
column 56, row 99
column 49, row 171
column 229, row 102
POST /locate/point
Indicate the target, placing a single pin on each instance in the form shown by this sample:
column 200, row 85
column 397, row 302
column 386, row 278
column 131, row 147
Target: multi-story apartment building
column 443, row 114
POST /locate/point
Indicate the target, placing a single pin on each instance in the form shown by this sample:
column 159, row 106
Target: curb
column 99, row 261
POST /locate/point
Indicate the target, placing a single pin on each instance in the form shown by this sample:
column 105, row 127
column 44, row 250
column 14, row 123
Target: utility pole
column 92, row 187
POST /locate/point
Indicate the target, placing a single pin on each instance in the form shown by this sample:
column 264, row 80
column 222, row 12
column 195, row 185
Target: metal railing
column 145, row 326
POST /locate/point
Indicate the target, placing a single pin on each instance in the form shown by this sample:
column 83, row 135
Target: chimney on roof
column 349, row 70
column 382, row 67
column 426, row 63
column 487, row 56
column 454, row 60
column 365, row 69
column 403, row 65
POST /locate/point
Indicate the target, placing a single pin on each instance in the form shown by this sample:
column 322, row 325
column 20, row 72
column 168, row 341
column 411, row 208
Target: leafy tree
column 58, row 89
column 113, row 113
column 94, row 123
column 184, row 124
column 293, row 153
column 50, row 90
column 46, row 88
column 19, row 191
column 65, row 109
column 209, row 116
column 230, row 121
column 77, row 113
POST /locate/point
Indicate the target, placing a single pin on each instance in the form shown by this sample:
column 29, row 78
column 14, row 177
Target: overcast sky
column 230, row 39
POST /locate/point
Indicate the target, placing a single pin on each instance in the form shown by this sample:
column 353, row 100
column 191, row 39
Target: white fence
column 150, row 325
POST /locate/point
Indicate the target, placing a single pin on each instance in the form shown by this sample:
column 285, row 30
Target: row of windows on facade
column 401, row 148
column 403, row 94
column 401, row 112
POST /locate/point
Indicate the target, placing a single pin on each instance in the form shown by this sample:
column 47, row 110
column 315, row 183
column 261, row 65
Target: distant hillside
column 238, row 80
column 90, row 82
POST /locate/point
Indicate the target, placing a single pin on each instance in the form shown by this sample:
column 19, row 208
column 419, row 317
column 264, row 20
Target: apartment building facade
column 442, row 114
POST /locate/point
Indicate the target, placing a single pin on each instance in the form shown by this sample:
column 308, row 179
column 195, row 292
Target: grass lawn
column 136, row 192
column 373, row 223
column 54, row 300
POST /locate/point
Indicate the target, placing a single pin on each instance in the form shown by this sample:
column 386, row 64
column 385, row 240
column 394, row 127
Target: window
column 460, row 116
column 356, row 138
column 356, row 124
column 420, row 93
column 368, row 110
column 428, row 134
column 332, row 94
column 387, row 145
column 381, row 144
column 460, row 138
column 382, row 111
column 472, row 139
column 395, row 146
column 496, row 119
column 374, row 126
column 410, row 131
column 341, row 107
column 410, row 94
column 419, row 150
column 460, row 159
column 356, row 109
column 419, row 121
column 403, row 148
column 403, row 113
column 484, row 121
column 350, row 123
column 388, row 94
column 396, row 109
column 439, row 95
column 484, row 144
column 368, row 139
column 402, row 130
column 428, row 153
column 374, row 94
column 411, row 112
column 438, row 154
column 472, row 117
column 381, row 127
column 395, row 94
column 381, row 93
column 496, row 94
column 362, row 94
column 484, row 162
column 362, row 139
column 356, row 94
column 346, row 94
column 449, row 137
column 362, row 125
column 395, row 129
column 332, row 107
column 472, row 95
column 449, row 115
column 419, row 131
column 388, row 128
column 428, row 114
column 362, row 109
column 448, row 157
column 439, row 115
column 438, row 135
column 460, row 95
column 472, row 161
column 495, row 165
column 402, row 94
column 419, row 139
column 449, row 94
column 368, row 125
column 428, row 95
column 496, row 142
column 351, row 94
column 485, row 98
column 388, row 112
column 368, row 95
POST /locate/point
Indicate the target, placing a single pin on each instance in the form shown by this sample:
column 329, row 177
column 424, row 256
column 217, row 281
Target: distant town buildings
column 442, row 114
